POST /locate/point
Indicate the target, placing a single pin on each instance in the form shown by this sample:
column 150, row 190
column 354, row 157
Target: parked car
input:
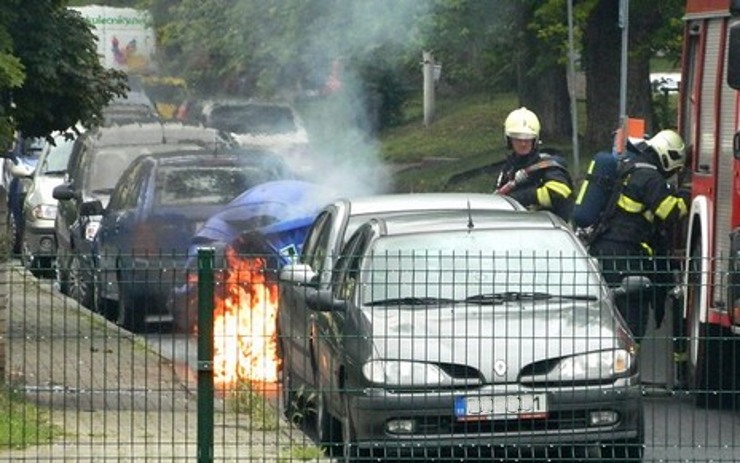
column 472, row 331
column 157, row 204
column 135, row 106
column 270, row 219
column 269, row 124
column 333, row 225
column 98, row 159
column 38, row 247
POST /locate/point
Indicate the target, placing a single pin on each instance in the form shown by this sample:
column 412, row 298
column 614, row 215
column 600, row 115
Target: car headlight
column 91, row 229
column 592, row 366
column 405, row 373
column 44, row 212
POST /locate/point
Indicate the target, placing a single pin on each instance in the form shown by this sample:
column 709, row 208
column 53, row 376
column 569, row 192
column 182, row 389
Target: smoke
column 341, row 106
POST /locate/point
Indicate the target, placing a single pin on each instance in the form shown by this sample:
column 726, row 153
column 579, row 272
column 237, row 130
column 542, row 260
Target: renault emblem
column 499, row 366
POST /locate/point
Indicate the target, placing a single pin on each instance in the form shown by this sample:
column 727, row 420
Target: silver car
column 38, row 246
column 488, row 333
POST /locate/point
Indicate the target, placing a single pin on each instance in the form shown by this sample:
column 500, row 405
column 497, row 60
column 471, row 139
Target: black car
column 98, row 159
column 156, row 206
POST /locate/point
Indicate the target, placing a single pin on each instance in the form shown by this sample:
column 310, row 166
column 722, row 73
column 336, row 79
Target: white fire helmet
column 670, row 149
column 522, row 124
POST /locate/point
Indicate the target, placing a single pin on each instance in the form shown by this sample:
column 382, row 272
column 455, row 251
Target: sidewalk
column 114, row 398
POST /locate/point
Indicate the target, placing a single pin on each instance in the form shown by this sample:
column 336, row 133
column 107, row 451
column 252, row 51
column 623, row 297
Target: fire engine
column 709, row 121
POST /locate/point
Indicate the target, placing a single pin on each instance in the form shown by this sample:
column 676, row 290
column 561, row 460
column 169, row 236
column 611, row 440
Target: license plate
column 501, row 406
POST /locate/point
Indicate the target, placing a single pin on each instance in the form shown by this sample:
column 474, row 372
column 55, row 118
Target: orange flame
column 244, row 323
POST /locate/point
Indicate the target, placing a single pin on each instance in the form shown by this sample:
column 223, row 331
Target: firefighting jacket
column 646, row 204
column 547, row 188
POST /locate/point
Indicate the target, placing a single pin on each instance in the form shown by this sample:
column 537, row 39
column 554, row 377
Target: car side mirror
column 322, row 300
column 298, row 274
column 91, row 208
column 63, row 192
column 632, row 284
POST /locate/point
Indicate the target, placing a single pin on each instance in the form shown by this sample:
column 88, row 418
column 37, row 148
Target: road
column 676, row 429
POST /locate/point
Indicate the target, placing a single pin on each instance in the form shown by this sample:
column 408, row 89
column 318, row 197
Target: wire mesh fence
column 400, row 358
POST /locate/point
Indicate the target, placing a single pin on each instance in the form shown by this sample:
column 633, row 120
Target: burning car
column 277, row 215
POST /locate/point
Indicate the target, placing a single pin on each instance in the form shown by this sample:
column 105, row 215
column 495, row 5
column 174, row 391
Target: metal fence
column 525, row 374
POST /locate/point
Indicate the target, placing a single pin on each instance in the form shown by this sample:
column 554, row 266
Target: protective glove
column 520, row 176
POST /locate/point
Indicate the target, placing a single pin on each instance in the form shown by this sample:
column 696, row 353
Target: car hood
column 483, row 336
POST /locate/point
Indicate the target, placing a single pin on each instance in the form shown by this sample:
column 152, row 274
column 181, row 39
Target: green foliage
column 262, row 414
column 64, row 82
column 22, row 424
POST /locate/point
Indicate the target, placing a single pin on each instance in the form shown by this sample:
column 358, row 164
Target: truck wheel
column 702, row 374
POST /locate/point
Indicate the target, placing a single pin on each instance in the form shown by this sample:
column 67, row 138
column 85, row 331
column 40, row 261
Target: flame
column 244, row 323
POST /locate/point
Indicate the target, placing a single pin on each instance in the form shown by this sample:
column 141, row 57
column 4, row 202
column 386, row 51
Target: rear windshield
column 205, row 185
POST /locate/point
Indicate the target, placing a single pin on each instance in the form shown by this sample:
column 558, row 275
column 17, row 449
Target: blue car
column 269, row 221
column 154, row 209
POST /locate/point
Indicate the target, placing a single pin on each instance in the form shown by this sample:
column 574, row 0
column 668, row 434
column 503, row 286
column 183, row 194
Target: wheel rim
column 694, row 298
column 77, row 287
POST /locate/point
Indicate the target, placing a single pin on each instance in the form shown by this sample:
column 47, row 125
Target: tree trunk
column 544, row 90
column 601, row 60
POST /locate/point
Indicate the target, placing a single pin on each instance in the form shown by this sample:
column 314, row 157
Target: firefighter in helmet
column 536, row 179
column 630, row 237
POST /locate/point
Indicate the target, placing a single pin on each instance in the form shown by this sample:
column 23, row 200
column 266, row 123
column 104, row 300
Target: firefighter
column 647, row 205
column 537, row 180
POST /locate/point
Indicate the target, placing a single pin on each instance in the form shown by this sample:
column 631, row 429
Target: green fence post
column 205, row 354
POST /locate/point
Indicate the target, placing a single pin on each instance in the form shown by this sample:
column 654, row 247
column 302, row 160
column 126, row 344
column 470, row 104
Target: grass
column 457, row 150
column 22, row 424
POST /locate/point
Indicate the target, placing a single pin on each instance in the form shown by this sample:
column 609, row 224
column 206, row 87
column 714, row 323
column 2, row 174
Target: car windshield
column 484, row 266
column 55, row 161
column 205, row 185
column 253, row 119
column 109, row 163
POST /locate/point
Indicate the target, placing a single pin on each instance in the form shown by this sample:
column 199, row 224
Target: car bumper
column 568, row 423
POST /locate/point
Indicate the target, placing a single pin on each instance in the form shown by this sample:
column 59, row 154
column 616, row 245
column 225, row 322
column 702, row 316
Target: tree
column 653, row 26
column 56, row 79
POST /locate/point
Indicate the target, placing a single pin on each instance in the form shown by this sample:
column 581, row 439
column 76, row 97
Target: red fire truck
column 709, row 121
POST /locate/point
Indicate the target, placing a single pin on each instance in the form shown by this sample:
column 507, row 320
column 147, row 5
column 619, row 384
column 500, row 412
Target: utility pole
column 428, row 69
column 624, row 25
column 572, row 89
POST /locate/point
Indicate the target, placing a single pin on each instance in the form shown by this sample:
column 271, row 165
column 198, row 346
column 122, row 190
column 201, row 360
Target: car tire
column 14, row 233
column 61, row 272
column 79, row 284
column 128, row 317
column 287, row 392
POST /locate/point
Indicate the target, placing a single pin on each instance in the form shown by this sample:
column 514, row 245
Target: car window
column 126, row 194
column 316, row 245
column 204, row 185
column 56, row 159
column 255, row 119
column 457, row 265
column 347, row 270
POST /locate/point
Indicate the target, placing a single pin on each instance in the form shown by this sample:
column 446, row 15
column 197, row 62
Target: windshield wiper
column 412, row 301
column 507, row 296
column 511, row 296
